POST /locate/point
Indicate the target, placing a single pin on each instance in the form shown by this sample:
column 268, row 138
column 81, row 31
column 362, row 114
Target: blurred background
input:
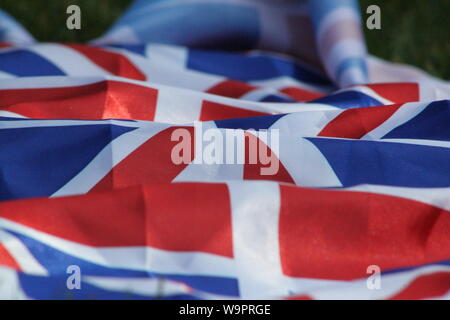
column 415, row 32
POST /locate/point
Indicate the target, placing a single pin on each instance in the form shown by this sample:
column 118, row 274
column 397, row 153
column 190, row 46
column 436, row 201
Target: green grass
column 413, row 31
column 416, row 32
column 46, row 19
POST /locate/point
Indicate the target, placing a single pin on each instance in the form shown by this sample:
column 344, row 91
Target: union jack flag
column 88, row 179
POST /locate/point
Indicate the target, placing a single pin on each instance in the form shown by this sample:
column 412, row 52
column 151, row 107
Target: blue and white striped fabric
column 13, row 32
column 247, row 24
column 339, row 40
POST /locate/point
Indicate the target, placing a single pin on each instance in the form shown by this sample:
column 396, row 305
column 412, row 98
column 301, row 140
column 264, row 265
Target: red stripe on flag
column 355, row 123
column 115, row 63
column 337, row 235
column 189, row 217
column 6, row 259
column 426, row 286
column 150, row 163
column 399, row 92
column 231, row 88
column 302, row 297
column 176, row 217
column 254, row 147
column 100, row 220
column 217, row 111
column 301, row 94
column 101, row 100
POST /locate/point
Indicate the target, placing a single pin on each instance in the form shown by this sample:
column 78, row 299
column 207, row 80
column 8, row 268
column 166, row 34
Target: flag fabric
column 13, row 32
column 155, row 163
